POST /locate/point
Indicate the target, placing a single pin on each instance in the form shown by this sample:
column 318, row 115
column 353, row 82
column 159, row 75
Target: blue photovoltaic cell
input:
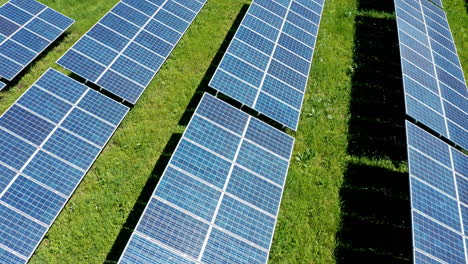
column 71, row 148
column 87, row 126
column 266, row 67
column 228, row 116
column 48, row 140
column 462, row 184
column 21, row 150
column 18, row 232
column 7, row 176
column 464, row 213
column 108, row 110
column 174, row 228
column 435, row 204
column 2, row 85
column 127, row 47
column 201, row 163
column 26, row 125
column 420, row 258
column 218, row 140
column 254, row 190
column 27, row 28
column 53, row 172
column 9, row 258
column 435, row 87
column 140, row 250
column 432, row 172
column 189, row 194
column 437, row 197
column 245, row 221
column 40, row 101
column 218, row 198
column 33, row 199
column 223, row 248
column 437, row 240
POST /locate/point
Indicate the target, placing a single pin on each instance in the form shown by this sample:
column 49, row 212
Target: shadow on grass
column 376, row 221
column 203, row 86
column 376, row 127
column 386, row 6
column 145, row 195
column 31, row 65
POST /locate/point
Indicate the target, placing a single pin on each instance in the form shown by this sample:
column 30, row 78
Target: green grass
column 312, row 213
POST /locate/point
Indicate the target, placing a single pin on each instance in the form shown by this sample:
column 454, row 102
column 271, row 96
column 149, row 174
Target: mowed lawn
column 315, row 213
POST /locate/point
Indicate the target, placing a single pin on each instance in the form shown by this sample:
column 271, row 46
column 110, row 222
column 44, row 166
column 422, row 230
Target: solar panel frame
column 260, row 90
column 25, row 26
column 223, row 190
column 39, row 149
column 427, row 155
column 121, row 54
column 436, row 98
column 2, row 85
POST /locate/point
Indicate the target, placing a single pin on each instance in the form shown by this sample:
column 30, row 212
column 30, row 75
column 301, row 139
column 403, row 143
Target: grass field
column 346, row 196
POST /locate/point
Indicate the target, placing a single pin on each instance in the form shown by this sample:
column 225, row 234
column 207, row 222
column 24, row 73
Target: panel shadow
column 376, row 127
column 376, row 221
column 386, row 6
column 126, row 231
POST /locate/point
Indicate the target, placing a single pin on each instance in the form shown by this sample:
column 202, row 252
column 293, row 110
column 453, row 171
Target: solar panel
column 435, row 88
column 27, row 28
column 218, row 199
column 126, row 48
column 266, row 66
column 49, row 138
column 439, row 188
column 2, row 85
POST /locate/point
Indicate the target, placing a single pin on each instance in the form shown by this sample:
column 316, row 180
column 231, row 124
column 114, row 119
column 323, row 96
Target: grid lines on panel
column 127, row 47
column 231, row 203
column 439, row 209
column 435, row 88
column 267, row 64
column 27, row 28
column 50, row 137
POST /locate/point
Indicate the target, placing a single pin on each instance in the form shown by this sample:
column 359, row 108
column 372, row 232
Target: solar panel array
column 435, row 88
column 439, row 198
column 266, row 66
column 125, row 49
column 49, row 138
column 218, row 199
column 27, row 28
column 2, row 85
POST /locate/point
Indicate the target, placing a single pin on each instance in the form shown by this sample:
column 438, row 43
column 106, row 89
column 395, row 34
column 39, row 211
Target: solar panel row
column 218, row 199
column 439, row 198
column 125, row 49
column 267, row 64
column 2, row 85
column 49, row 138
column 27, row 28
column 435, row 88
